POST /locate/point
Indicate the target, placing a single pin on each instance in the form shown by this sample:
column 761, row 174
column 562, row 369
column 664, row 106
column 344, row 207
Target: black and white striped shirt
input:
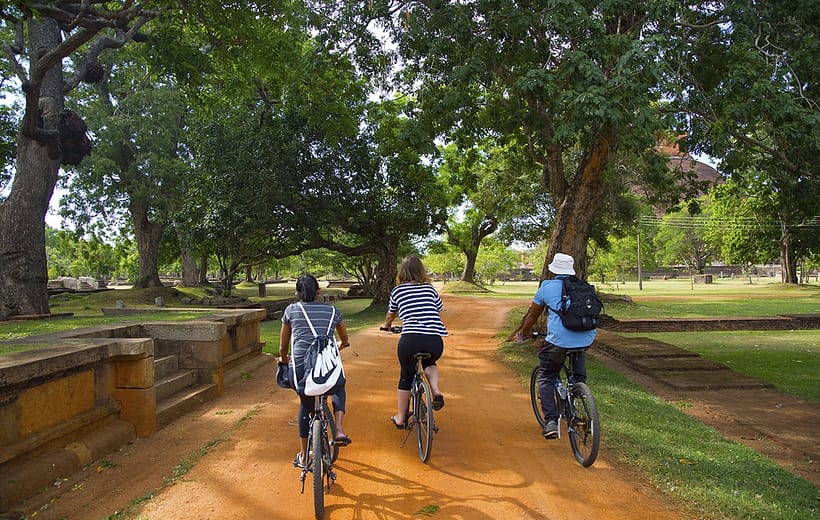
column 419, row 306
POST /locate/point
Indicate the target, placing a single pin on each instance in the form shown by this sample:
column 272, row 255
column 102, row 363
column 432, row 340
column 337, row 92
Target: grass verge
column 707, row 476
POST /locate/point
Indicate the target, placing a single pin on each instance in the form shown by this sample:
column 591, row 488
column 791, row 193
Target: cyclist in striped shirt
column 418, row 305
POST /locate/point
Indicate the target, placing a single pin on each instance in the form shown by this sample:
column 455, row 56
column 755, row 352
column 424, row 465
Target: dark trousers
column 551, row 359
column 307, row 404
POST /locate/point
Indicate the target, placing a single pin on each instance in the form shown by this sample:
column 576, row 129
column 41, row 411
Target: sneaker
column 550, row 430
column 297, row 461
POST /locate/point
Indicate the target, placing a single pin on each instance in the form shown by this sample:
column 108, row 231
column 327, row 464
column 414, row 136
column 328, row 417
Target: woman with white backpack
column 302, row 322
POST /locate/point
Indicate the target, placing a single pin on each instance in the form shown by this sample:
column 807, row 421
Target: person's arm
column 341, row 330
column 533, row 313
column 388, row 319
column 284, row 342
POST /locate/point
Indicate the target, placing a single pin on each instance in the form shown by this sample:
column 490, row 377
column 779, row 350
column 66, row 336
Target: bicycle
column 420, row 414
column 322, row 452
column 576, row 406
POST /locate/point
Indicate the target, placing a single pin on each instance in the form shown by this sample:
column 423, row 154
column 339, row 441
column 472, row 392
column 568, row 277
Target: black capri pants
column 409, row 346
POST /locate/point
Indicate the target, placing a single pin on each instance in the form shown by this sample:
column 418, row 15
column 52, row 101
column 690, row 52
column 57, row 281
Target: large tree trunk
column 579, row 207
column 468, row 274
column 203, row 269
column 148, row 236
column 788, row 259
column 385, row 274
column 23, row 266
column 190, row 273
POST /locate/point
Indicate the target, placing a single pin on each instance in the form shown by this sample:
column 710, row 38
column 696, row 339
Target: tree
column 575, row 81
column 444, row 259
column 138, row 169
column 45, row 34
column 495, row 258
column 747, row 77
column 749, row 87
column 757, row 218
column 488, row 186
column 680, row 240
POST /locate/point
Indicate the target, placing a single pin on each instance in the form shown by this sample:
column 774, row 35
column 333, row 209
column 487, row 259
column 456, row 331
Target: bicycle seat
column 422, row 355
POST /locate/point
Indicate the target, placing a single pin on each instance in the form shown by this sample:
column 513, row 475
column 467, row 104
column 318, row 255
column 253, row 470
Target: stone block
column 134, row 373
column 138, row 407
column 55, row 401
column 185, row 330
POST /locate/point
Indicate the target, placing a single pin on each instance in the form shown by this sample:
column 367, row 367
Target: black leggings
column 409, row 346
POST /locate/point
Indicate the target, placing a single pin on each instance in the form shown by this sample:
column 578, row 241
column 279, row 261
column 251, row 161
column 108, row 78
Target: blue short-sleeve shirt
column 549, row 295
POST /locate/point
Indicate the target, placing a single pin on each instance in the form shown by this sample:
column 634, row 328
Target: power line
column 697, row 222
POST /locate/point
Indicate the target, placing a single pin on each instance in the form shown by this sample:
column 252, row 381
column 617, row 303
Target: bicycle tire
column 424, row 419
column 318, row 470
column 583, row 425
column 535, row 397
column 331, row 431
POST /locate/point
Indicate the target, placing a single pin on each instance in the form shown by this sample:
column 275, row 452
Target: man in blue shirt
column 559, row 340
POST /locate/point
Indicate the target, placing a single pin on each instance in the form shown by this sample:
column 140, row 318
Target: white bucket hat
column 562, row 264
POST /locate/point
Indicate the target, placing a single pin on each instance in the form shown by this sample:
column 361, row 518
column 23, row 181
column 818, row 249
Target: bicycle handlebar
column 392, row 330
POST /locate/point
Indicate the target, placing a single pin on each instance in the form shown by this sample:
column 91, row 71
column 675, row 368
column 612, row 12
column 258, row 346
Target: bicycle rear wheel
column 331, row 431
column 424, row 419
column 583, row 425
column 535, row 397
column 318, row 469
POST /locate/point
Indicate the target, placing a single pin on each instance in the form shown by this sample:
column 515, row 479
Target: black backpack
column 580, row 307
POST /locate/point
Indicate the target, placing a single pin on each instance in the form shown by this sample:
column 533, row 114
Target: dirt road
column 489, row 460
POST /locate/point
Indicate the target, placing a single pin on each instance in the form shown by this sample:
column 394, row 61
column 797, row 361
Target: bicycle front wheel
column 535, row 397
column 583, row 425
column 424, row 420
column 318, row 469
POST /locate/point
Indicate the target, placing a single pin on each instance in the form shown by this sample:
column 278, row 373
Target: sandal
column 397, row 425
column 438, row 402
column 297, row 461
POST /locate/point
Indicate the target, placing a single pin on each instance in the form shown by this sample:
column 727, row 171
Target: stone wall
column 80, row 394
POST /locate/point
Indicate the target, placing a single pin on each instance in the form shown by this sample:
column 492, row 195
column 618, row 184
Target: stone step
column 165, row 365
column 173, row 383
column 183, row 402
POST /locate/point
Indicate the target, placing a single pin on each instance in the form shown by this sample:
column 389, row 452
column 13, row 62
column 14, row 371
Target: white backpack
column 323, row 361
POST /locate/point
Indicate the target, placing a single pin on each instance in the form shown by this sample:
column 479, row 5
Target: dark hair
column 307, row 287
column 412, row 270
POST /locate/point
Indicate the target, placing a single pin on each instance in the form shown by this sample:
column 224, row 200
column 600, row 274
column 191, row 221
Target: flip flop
column 397, row 425
column 342, row 441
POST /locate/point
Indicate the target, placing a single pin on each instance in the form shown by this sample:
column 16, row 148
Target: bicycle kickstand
column 409, row 429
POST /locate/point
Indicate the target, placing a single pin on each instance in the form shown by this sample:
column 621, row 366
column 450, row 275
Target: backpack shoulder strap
column 310, row 323
column 307, row 318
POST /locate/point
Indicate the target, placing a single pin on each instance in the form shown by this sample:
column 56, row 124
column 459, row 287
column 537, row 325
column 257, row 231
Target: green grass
column 706, row 475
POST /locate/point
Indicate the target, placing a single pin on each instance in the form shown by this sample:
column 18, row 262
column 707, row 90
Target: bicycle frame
column 421, row 412
column 321, row 453
column 421, row 406
column 577, row 408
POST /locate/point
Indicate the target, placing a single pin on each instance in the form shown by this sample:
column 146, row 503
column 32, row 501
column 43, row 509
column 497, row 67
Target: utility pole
column 640, row 272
